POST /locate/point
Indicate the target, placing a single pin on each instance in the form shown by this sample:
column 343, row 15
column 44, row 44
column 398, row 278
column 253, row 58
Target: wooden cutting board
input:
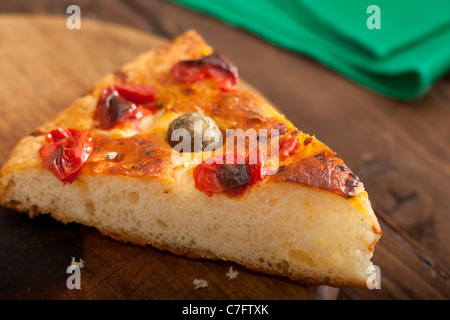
column 44, row 66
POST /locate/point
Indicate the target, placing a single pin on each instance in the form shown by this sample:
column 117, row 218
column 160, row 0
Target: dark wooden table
column 401, row 150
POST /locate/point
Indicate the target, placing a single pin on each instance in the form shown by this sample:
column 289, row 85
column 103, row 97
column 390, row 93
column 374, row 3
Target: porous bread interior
column 307, row 234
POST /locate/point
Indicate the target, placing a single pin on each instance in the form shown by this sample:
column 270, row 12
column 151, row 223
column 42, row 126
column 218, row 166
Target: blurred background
column 379, row 97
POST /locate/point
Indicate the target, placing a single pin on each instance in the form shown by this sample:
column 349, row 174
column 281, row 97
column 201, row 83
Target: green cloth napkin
column 402, row 59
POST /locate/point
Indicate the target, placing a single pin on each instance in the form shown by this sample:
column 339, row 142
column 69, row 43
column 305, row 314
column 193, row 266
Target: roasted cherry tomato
column 66, row 152
column 138, row 93
column 228, row 173
column 216, row 66
column 256, row 163
column 124, row 103
column 288, row 145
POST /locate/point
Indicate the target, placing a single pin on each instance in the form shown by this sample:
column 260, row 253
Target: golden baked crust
column 313, row 164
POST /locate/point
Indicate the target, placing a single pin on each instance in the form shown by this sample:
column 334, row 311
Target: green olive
column 195, row 132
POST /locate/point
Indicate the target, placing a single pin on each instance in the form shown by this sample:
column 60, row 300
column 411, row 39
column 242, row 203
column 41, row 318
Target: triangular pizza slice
column 171, row 151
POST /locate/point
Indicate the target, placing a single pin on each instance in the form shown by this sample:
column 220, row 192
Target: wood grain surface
column 400, row 150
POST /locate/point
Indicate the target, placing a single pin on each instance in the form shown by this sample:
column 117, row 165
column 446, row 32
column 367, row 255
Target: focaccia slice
column 302, row 214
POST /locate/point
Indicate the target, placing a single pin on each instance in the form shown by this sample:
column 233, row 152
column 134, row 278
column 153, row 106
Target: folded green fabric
column 409, row 52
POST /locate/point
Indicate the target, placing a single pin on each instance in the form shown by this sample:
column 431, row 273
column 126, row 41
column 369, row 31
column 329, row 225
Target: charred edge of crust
column 324, row 172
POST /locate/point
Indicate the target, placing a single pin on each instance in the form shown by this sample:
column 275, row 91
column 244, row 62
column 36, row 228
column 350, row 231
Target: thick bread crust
column 307, row 234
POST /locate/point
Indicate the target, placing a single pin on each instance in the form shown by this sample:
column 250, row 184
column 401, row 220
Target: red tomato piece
column 66, row 152
column 124, row 103
column 206, row 179
column 288, row 145
column 256, row 162
column 57, row 135
column 138, row 93
column 229, row 173
column 216, row 66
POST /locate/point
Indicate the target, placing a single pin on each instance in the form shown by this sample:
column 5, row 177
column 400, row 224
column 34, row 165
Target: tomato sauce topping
column 216, row 66
column 288, row 145
column 123, row 103
column 229, row 173
column 66, row 152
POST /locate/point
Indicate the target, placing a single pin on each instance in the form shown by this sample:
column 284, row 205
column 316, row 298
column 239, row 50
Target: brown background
column 400, row 150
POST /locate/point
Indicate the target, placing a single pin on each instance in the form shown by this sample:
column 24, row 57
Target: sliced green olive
column 194, row 131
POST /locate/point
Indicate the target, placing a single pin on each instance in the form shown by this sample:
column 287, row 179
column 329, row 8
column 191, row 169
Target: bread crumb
column 200, row 283
column 111, row 155
column 79, row 264
column 232, row 274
